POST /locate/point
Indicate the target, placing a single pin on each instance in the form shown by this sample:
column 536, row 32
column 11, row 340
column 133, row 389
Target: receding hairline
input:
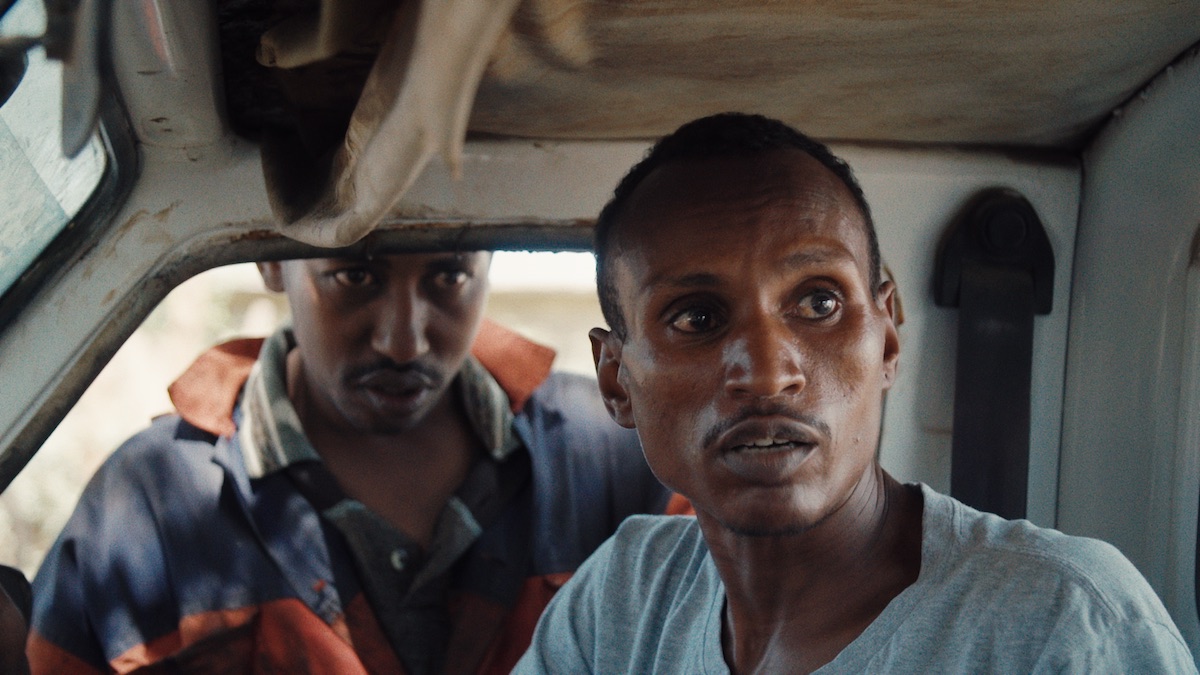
column 846, row 248
column 723, row 136
column 833, row 188
column 793, row 160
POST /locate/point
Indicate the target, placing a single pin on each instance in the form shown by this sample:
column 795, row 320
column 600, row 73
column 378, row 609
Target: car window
column 548, row 297
column 40, row 189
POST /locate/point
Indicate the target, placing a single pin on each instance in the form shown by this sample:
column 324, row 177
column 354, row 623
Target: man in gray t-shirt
column 993, row 595
column 751, row 340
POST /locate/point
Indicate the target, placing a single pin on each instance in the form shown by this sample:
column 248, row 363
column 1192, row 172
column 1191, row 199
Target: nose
column 765, row 359
column 400, row 330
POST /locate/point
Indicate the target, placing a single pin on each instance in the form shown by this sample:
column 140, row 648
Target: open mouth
column 768, row 461
column 767, row 434
column 768, row 450
column 769, row 445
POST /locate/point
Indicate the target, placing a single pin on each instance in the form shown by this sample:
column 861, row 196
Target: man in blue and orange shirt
column 390, row 484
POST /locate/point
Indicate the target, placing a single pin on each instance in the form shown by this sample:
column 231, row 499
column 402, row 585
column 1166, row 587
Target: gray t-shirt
column 993, row 596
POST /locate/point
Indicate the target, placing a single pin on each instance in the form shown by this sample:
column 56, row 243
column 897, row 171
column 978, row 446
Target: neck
column 793, row 602
column 405, row 477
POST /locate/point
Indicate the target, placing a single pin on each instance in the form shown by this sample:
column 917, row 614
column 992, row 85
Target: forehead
column 778, row 204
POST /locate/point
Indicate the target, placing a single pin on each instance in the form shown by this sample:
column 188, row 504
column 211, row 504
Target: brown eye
column 354, row 277
column 451, row 278
column 819, row 304
column 694, row 320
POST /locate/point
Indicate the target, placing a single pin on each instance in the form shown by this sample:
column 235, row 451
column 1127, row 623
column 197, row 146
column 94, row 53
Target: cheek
column 850, row 375
column 453, row 325
column 305, row 319
column 852, row 363
column 672, row 405
column 661, row 389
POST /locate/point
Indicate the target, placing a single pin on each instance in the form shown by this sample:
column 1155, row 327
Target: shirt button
column 399, row 558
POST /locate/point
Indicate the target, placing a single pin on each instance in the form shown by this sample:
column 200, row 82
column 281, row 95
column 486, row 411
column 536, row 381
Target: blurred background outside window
column 548, row 297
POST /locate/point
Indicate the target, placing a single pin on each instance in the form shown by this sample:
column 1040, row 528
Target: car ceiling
column 1041, row 73
column 351, row 98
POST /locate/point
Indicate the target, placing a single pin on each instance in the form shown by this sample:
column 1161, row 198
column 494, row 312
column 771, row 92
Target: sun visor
column 414, row 104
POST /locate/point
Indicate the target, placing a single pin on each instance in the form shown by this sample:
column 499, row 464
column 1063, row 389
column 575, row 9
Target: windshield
column 40, row 189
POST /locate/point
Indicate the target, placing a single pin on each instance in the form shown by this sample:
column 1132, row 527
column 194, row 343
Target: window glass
column 40, row 189
column 550, row 298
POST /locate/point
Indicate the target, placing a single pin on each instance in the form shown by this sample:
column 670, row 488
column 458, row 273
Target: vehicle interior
column 1029, row 165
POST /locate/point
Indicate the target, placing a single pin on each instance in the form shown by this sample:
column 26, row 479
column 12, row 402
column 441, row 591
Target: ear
column 891, row 336
column 272, row 275
column 606, row 353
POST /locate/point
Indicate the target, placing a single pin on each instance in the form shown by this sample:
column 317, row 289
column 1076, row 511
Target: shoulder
column 1094, row 566
column 567, row 411
column 153, row 469
column 589, row 473
column 168, row 442
column 652, row 550
column 648, row 557
column 645, row 553
column 1076, row 590
column 165, row 468
column 644, row 601
column 658, row 531
column 645, row 548
column 663, row 533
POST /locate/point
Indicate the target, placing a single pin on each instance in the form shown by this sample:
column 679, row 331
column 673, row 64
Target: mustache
column 413, row 370
column 763, row 410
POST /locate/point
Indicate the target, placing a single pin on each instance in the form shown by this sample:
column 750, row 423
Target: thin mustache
column 763, row 410
column 431, row 376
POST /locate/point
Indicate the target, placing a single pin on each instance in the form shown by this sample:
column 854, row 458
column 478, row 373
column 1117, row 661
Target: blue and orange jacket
column 175, row 560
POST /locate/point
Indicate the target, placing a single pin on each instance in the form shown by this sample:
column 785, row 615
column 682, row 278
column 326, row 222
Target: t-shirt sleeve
column 1151, row 647
column 566, row 636
column 1118, row 624
column 1136, row 647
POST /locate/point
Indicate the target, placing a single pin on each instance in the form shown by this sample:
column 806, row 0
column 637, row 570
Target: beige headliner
column 1023, row 72
column 1040, row 73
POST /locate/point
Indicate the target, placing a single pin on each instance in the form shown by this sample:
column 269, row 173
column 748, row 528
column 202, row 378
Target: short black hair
column 721, row 135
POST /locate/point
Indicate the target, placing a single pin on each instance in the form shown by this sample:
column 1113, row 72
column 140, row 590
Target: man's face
column 379, row 341
column 755, row 358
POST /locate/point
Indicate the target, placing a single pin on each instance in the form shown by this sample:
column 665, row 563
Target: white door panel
column 1129, row 466
column 914, row 197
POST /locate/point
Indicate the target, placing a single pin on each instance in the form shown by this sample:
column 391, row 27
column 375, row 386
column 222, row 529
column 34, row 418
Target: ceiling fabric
column 1019, row 74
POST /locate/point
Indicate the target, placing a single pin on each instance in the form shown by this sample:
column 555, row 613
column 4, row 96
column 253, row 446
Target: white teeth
column 767, row 444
